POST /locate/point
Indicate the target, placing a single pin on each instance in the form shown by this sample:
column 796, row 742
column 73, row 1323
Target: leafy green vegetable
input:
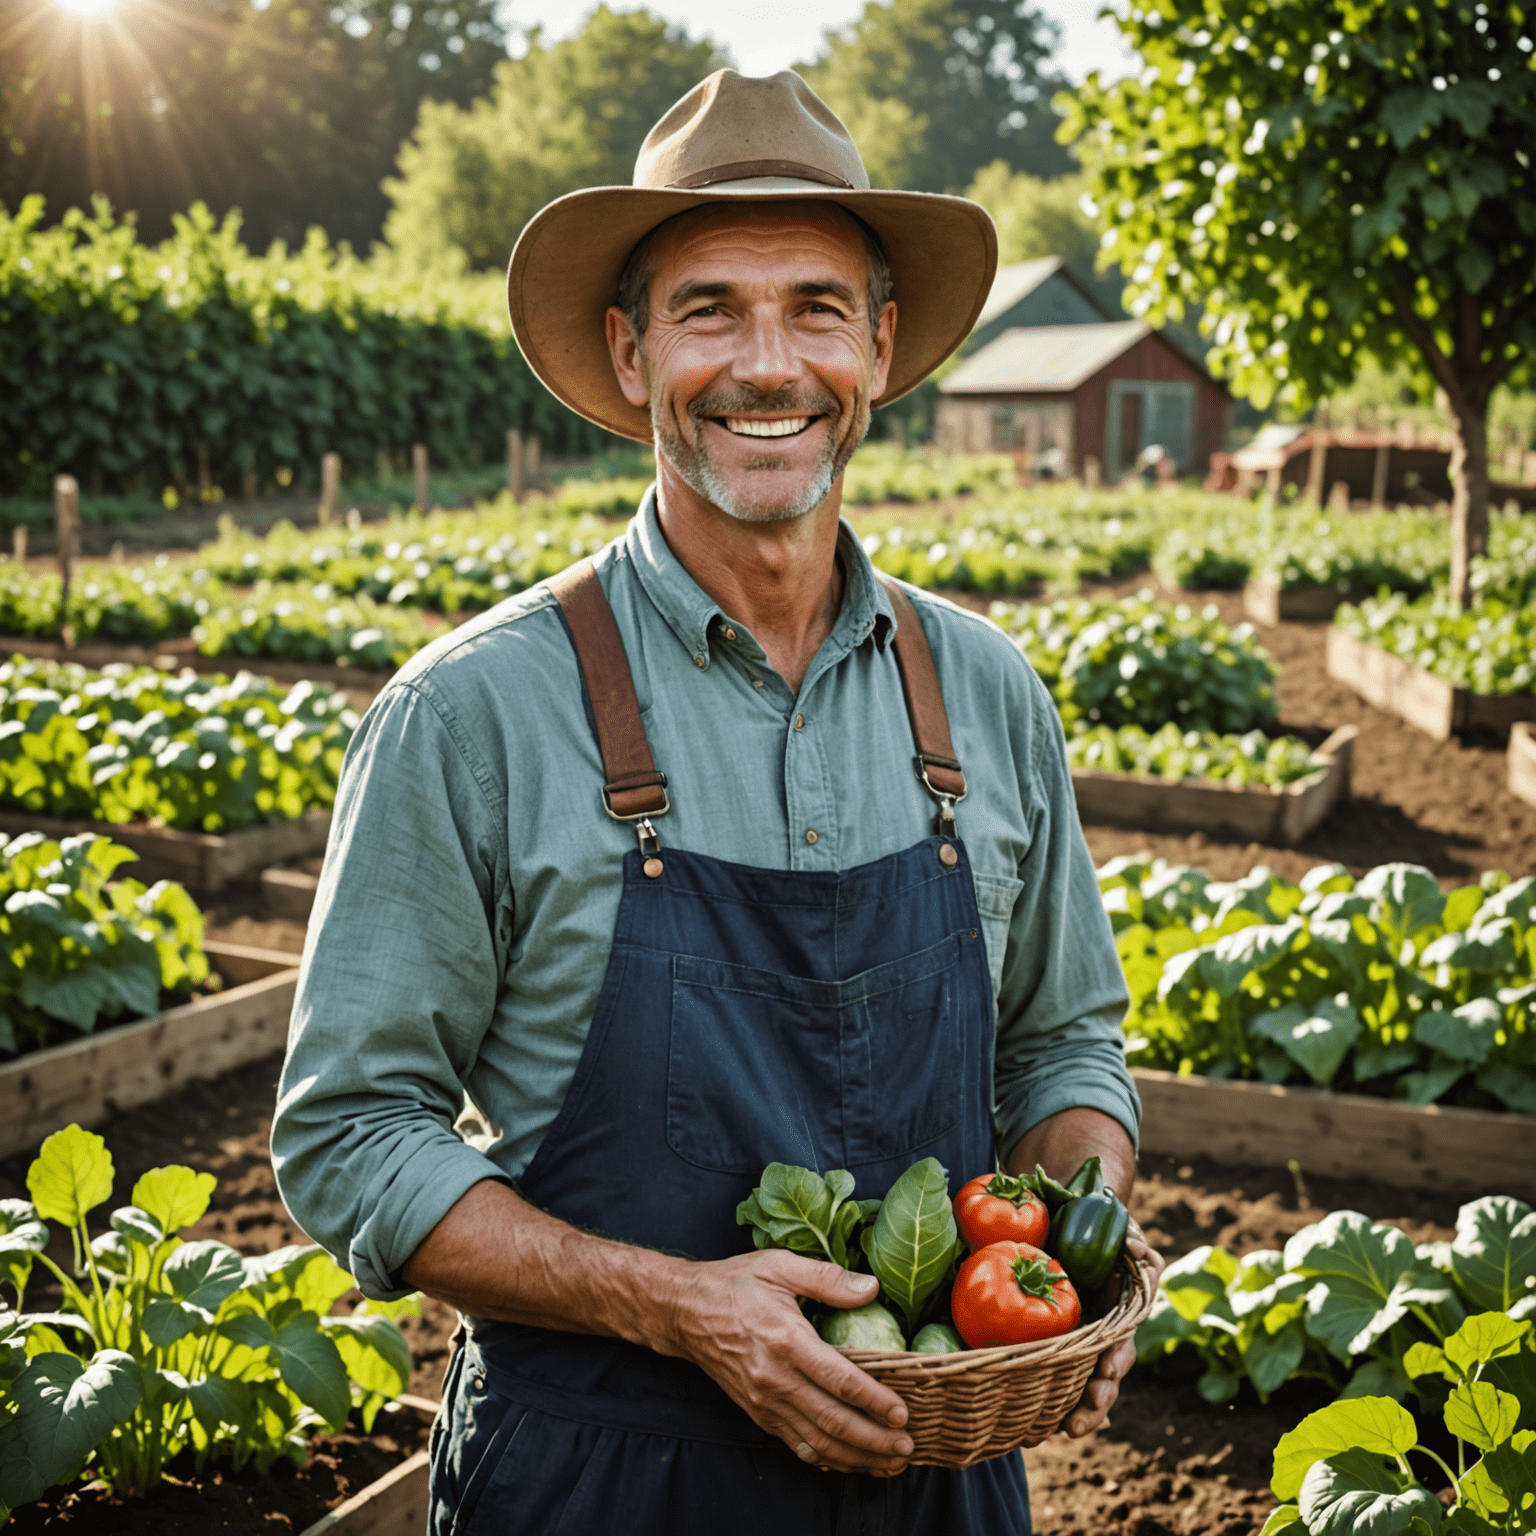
column 186, row 1345
column 870, row 1327
column 937, row 1339
column 800, row 1210
column 914, row 1240
column 1491, row 648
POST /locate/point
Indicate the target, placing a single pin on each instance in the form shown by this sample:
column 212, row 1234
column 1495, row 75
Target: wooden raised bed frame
column 204, row 862
column 1338, row 1135
column 395, row 1505
column 1433, row 705
column 1522, row 761
column 1265, row 602
column 1255, row 813
column 86, row 1080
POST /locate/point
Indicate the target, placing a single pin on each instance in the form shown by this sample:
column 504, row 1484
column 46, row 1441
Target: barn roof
column 1045, row 359
column 1018, row 279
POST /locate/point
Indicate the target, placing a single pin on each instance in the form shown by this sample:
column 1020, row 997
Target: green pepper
column 1089, row 1179
column 1086, row 1237
column 1053, row 1193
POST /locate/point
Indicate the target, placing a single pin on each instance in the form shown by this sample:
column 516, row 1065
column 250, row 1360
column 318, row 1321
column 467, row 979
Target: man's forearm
column 496, row 1256
column 1064, row 1142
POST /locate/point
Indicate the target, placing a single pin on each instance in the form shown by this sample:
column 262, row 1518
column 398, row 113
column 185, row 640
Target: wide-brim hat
column 734, row 138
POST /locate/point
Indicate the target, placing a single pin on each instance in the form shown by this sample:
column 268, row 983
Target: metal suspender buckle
column 640, row 818
column 945, row 799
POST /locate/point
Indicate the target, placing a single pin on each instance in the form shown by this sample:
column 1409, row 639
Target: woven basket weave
column 979, row 1403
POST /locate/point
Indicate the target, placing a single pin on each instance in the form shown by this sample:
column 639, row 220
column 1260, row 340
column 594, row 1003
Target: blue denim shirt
column 466, row 909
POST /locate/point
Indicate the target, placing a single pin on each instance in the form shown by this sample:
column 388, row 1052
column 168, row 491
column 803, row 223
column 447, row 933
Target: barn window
column 1144, row 414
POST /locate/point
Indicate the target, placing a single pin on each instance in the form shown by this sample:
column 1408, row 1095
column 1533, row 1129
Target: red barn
column 1062, row 394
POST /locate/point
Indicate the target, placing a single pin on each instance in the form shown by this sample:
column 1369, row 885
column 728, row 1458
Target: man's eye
column 708, row 311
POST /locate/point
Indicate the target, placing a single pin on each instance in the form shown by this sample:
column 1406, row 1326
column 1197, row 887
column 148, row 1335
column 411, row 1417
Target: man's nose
column 765, row 360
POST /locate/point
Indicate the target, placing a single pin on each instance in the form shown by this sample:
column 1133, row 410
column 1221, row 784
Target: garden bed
column 1341, row 1135
column 89, row 1079
column 1437, row 707
column 173, row 655
column 1254, row 812
column 1266, row 602
column 204, row 862
column 1522, row 761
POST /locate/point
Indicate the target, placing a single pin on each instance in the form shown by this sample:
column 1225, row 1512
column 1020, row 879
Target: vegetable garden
column 1321, row 1352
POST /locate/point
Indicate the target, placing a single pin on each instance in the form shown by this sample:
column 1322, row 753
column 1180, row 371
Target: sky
column 769, row 35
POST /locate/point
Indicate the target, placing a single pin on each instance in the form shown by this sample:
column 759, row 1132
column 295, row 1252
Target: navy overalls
column 747, row 1016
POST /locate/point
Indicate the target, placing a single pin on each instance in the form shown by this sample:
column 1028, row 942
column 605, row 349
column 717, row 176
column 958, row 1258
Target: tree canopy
column 291, row 113
column 567, row 115
column 1346, row 179
column 933, row 90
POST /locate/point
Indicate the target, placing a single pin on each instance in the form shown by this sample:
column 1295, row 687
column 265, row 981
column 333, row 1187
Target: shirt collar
column 696, row 619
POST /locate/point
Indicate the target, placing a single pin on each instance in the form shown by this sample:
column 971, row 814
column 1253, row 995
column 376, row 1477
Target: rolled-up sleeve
column 1060, row 1044
column 400, row 977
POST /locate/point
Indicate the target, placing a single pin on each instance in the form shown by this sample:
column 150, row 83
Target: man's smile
column 762, row 426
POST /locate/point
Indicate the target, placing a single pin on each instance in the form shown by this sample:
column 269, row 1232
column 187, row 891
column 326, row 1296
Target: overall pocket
column 995, row 898
column 767, row 1068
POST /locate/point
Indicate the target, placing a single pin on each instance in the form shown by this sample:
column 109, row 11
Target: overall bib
column 747, row 1016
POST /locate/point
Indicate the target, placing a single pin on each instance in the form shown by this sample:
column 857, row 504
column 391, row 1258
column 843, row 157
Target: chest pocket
column 995, row 898
column 768, row 1068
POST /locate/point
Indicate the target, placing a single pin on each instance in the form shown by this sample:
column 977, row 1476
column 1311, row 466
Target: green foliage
column 1137, row 662
column 932, row 90
column 134, row 363
column 1384, row 986
column 1170, row 753
column 913, row 1243
column 807, row 1213
column 1035, row 217
column 134, row 744
column 165, row 1346
column 82, row 949
column 1490, row 648
column 1358, row 1306
column 1344, row 180
column 566, row 115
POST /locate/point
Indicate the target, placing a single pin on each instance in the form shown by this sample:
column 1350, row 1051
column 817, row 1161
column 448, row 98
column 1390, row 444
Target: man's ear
column 627, row 352
column 885, row 348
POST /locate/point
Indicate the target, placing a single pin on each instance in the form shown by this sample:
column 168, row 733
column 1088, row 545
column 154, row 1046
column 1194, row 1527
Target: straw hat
column 732, row 137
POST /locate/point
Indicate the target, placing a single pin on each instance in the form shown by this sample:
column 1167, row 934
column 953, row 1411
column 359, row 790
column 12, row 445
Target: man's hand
column 1104, row 1385
column 740, row 1321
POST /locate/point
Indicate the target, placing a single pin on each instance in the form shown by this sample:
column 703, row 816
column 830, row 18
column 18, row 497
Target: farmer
column 715, row 851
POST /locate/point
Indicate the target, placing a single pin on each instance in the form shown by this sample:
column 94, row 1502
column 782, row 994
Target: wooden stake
column 18, row 544
column 1338, row 497
column 1092, row 472
column 66, row 518
column 421, row 469
column 1379, row 475
column 386, row 468
column 1317, row 465
column 248, row 482
column 533, row 461
column 330, row 478
column 515, row 463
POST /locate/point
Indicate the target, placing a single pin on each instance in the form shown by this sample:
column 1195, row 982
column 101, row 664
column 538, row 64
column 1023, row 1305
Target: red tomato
column 1012, row 1293
column 997, row 1208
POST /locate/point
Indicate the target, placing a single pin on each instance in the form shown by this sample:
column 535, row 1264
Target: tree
column 569, row 115
column 932, row 90
column 1345, row 179
column 292, row 113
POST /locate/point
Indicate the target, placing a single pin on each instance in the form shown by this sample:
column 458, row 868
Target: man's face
column 758, row 363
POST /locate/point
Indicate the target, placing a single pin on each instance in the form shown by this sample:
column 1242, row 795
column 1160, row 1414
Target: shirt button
column 799, row 722
column 730, row 634
column 810, row 836
column 757, row 682
column 698, row 661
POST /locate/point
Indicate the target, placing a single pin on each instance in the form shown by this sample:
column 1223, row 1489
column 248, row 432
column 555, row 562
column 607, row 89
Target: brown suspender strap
column 937, row 765
column 634, row 789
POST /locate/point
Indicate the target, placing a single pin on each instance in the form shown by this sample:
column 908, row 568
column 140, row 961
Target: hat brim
column 564, row 275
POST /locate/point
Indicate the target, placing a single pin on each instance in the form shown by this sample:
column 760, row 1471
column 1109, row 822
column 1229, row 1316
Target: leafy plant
column 135, row 744
column 1170, row 753
column 913, row 1244
column 807, row 1213
column 1381, row 986
column 1489, row 648
column 176, row 1346
column 82, row 949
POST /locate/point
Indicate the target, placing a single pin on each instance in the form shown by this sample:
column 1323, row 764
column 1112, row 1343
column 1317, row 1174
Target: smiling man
column 717, row 850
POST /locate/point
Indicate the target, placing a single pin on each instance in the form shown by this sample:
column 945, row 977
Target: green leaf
column 174, row 1196
column 317, row 1280
column 136, row 1226
column 1271, row 1359
column 21, row 1236
column 203, row 1274
column 797, row 1209
column 1481, row 1414
column 1467, row 1035
column 374, row 1352
column 1316, row 1038
column 1256, row 948
column 913, row 1238
column 1353, row 1493
column 166, row 1320
column 1484, row 1337
column 1515, row 1086
column 1360, row 1267
column 63, row 1412
column 72, row 1175
column 1287, row 1517
column 312, row 1370
column 1493, row 1256
column 1407, row 899
column 1373, row 1424
column 1502, row 1486
column 1429, row 1360
column 1377, row 1378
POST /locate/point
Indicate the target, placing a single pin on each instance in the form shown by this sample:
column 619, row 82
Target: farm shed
column 1068, row 393
column 1045, row 291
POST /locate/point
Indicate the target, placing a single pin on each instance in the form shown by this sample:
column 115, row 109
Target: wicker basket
column 980, row 1403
